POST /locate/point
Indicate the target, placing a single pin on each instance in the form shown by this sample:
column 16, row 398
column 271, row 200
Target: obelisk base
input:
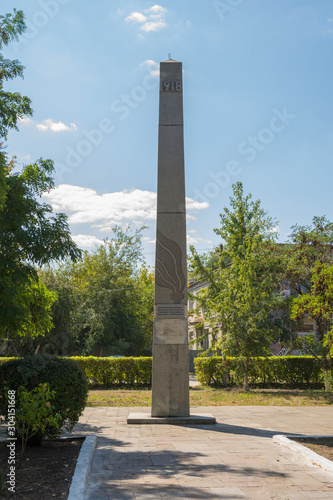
column 170, row 391
column 146, row 418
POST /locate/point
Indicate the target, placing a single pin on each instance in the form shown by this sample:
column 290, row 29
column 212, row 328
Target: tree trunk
column 224, row 373
column 246, row 379
column 246, row 364
column 327, row 370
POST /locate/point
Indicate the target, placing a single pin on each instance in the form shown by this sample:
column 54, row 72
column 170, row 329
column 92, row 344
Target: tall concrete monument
column 170, row 390
column 170, row 396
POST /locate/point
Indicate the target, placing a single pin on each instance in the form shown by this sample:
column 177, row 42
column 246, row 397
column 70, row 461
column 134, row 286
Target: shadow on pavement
column 240, row 429
column 166, row 473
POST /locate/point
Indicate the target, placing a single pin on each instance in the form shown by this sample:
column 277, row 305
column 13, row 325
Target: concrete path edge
column 313, row 457
column 78, row 487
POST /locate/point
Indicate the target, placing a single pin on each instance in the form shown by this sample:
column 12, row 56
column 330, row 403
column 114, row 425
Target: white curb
column 78, row 487
column 310, row 455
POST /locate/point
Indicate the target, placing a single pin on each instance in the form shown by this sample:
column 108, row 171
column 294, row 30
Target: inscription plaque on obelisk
column 170, row 394
column 170, row 391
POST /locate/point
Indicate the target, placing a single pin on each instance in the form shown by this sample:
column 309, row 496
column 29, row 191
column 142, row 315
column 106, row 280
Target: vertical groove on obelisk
column 170, row 395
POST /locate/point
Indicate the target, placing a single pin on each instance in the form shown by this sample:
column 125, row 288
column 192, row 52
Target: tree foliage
column 308, row 260
column 105, row 301
column 242, row 286
column 30, row 234
column 307, row 247
column 13, row 105
column 25, row 311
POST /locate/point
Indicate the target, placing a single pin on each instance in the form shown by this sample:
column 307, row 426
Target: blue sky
column 257, row 108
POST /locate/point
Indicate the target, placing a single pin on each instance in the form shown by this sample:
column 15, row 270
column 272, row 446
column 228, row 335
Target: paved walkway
column 234, row 459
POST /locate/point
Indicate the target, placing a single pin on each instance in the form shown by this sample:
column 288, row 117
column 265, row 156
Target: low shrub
column 64, row 378
column 116, row 372
column 35, row 413
column 291, row 371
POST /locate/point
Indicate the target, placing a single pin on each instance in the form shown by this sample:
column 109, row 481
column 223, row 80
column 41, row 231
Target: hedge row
column 291, row 371
column 113, row 372
column 116, row 372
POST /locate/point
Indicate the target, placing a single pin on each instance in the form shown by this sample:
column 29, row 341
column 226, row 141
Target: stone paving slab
column 234, row 459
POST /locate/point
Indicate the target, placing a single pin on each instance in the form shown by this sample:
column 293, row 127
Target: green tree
column 60, row 339
column 311, row 270
column 145, row 285
column 307, row 246
column 13, row 106
column 243, row 283
column 105, row 301
column 30, row 234
column 34, row 320
column 3, row 185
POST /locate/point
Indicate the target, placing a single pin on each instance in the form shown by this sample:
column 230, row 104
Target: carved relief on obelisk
column 169, row 272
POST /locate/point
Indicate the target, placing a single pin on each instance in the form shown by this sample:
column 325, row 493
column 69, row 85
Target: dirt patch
column 45, row 472
column 322, row 446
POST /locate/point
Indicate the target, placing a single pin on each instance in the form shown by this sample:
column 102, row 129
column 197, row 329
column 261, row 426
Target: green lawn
column 217, row 397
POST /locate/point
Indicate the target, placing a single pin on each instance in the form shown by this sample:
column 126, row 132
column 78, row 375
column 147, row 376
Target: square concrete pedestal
column 146, row 418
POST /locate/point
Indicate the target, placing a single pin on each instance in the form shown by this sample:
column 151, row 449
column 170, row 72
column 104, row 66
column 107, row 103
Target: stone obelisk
column 170, row 398
column 170, row 391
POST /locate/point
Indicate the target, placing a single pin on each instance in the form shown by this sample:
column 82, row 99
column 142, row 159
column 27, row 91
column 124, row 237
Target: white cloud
column 49, row 124
column 23, row 158
column 156, row 8
column 153, row 26
column 85, row 205
column 25, row 121
column 151, row 241
column 137, row 17
column 328, row 30
column 153, row 22
column 192, row 239
column 196, row 205
column 196, row 239
column 86, row 241
column 155, row 73
column 149, row 63
column 156, row 17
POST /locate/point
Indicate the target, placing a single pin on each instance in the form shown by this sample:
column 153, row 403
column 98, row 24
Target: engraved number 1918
column 171, row 86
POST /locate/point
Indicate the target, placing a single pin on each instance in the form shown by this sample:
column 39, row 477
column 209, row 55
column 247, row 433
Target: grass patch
column 217, row 397
column 323, row 446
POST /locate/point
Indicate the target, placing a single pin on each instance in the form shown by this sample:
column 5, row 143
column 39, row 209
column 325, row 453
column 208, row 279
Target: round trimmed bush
column 62, row 375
